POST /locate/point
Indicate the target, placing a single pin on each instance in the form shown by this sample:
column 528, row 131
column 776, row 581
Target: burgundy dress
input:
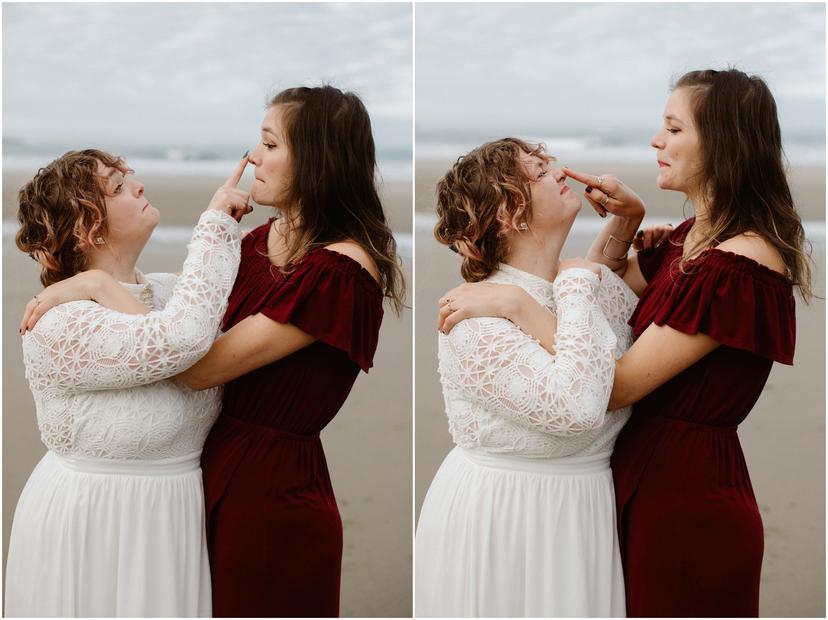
column 691, row 534
column 273, row 528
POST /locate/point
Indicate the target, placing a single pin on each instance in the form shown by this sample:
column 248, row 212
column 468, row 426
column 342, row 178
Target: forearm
column 252, row 343
column 611, row 243
column 108, row 293
column 532, row 318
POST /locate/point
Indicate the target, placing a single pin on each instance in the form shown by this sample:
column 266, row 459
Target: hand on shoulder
column 756, row 247
column 353, row 250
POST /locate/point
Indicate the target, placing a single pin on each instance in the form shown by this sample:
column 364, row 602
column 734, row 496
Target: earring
column 99, row 240
column 523, row 226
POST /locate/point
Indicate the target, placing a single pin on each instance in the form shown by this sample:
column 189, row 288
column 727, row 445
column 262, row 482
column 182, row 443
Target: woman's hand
column 229, row 198
column 478, row 299
column 78, row 287
column 651, row 237
column 607, row 193
column 579, row 263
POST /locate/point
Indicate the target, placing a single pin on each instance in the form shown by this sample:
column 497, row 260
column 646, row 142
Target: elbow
column 616, row 402
column 194, row 381
column 622, row 395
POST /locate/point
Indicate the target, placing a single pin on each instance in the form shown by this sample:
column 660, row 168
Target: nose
column 559, row 175
column 139, row 188
column 657, row 142
column 254, row 156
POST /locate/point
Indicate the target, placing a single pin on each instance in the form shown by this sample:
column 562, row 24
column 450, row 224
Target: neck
column 536, row 254
column 120, row 266
column 700, row 211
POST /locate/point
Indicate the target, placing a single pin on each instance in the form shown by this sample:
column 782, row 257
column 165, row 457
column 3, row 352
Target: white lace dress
column 111, row 521
column 520, row 518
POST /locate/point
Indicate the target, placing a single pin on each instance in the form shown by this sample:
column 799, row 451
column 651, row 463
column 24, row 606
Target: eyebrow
column 670, row 117
column 270, row 131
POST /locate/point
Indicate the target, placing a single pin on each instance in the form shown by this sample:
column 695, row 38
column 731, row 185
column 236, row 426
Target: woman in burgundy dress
column 716, row 310
column 302, row 321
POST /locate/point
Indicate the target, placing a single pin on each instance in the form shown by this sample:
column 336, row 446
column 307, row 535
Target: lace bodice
column 101, row 379
column 504, row 393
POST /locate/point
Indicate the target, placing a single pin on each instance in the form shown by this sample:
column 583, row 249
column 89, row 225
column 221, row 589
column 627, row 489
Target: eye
column 541, row 174
column 673, row 130
column 268, row 145
column 119, row 188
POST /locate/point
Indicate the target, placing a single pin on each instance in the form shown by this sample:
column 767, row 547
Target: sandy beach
column 368, row 445
column 783, row 439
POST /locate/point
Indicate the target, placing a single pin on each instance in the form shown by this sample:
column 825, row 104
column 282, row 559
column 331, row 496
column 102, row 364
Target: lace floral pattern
column 505, row 393
column 101, row 379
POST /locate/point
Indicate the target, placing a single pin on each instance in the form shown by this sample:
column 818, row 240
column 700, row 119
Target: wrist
column 94, row 283
column 630, row 221
column 511, row 305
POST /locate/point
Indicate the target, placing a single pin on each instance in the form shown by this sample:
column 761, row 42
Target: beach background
column 182, row 107
column 591, row 81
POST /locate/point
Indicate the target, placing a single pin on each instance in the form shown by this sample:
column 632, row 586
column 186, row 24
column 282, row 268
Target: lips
column 145, row 207
column 661, row 164
column 564, row 189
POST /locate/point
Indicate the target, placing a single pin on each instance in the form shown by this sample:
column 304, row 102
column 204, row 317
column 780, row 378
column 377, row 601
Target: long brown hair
column 332, row 189
column 484, row 196
column 62, row 210
column 742, row 176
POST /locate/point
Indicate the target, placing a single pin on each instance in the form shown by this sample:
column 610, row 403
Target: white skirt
column 94, row 537
column 510, row 536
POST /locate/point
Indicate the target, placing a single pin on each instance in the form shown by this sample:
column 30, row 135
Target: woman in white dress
column 520, row 518
column 111, row 521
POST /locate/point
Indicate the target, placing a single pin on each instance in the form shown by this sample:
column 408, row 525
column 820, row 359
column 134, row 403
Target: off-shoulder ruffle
column 329, row 296
column 731, row 298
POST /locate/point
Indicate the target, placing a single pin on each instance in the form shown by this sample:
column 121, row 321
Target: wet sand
column 368, row 445
column 783, row 438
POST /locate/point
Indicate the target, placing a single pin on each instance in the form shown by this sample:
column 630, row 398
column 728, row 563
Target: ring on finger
column 604, row 200
column 599, row 181
column 36, row 300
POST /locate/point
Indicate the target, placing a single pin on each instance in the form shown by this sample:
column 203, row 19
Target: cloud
column 601, row 65
column 192, row 72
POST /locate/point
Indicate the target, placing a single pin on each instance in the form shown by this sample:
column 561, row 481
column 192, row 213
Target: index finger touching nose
column 237, row 173
column 586, row 179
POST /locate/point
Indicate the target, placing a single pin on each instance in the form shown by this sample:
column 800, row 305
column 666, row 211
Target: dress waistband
column 230, row 420
column 161, row 467
column 563, row 466
column 686, row 424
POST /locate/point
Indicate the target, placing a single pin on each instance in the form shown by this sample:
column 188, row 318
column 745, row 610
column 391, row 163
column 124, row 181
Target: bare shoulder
column 757, row 248
column 353, row 250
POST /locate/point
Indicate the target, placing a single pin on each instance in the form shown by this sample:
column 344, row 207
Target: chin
column 572, row 208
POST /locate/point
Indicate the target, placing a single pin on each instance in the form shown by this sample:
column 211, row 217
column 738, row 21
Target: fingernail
column 588, row 189
column 604, row 214
column 640, row 233
column 246, row 153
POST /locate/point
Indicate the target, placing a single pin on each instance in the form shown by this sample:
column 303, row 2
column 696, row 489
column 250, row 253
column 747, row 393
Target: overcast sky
column 596, row 67
column 195, row 73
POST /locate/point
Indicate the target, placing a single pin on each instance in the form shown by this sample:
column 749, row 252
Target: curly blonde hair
column 483, row 197
column 62, row 210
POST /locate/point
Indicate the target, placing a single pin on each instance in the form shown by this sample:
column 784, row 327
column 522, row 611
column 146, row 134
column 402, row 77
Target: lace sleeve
column 493, row 363
column 82, row 345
